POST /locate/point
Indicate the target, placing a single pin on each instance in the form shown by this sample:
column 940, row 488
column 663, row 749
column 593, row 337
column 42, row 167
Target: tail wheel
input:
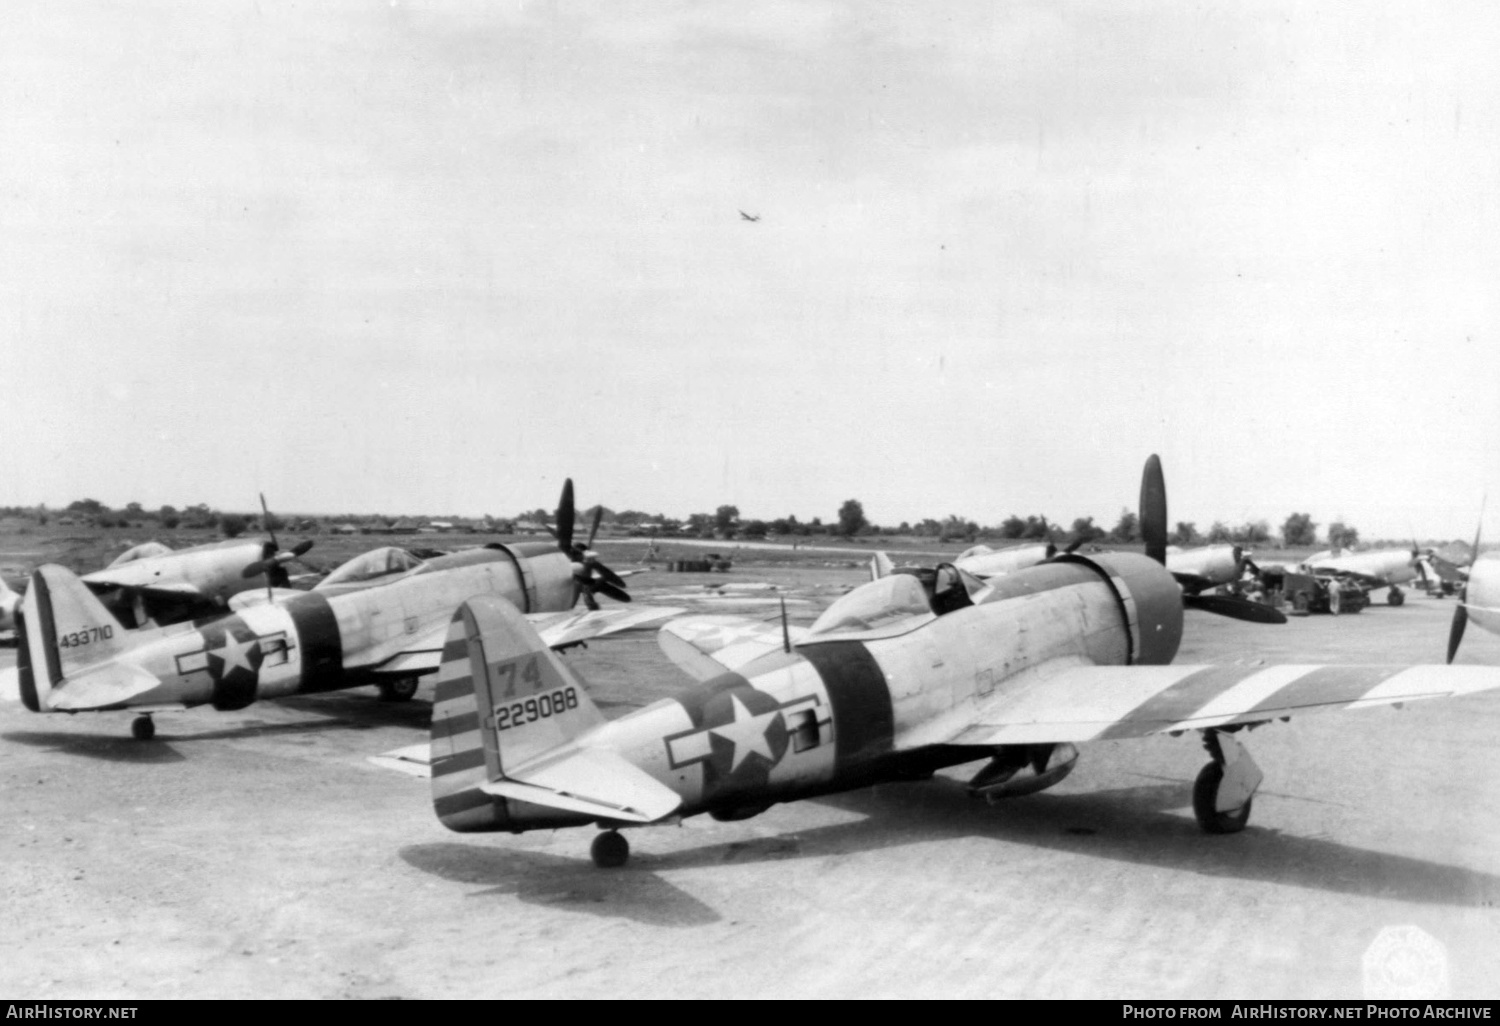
column 610, row 850
column 403, row 689
column 1205, row 798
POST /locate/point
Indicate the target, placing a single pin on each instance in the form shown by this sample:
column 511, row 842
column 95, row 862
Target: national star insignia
column 236, row 653
column 747, row 732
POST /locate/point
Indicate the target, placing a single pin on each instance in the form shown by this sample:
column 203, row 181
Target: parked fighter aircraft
column 1382, row 568
column 1210, row 566
column 152, row 585
column 74, row 655
column 893, row 681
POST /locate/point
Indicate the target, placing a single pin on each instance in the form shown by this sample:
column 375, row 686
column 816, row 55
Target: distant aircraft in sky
column 749, row 217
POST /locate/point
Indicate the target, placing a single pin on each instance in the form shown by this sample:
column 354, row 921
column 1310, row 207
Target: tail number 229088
column 518, row 714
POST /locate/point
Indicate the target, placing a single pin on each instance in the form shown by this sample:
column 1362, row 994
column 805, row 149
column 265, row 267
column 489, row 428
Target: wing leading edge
column 1105, row 703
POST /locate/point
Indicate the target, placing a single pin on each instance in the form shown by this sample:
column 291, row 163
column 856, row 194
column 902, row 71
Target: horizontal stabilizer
column 103, row 686
column 591, row 781
column 413, row 760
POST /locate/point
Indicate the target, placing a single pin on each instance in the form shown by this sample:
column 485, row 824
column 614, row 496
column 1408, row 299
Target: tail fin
column 880, row 566
column 64, row 629
column 487, row 707
column 506, row 714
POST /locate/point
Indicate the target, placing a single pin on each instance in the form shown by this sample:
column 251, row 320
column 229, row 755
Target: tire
column 610, row 850
column 143, row 728
column 403, row 689
column 1299, row 602
column 1395, row 597
column 1205, row 792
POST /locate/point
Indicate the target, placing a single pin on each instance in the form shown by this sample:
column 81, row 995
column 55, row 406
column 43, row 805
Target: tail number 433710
column 552, row 703
column 85, row 636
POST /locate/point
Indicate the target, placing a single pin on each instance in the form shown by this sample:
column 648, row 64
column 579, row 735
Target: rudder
column 63, row 629
column 501, row 696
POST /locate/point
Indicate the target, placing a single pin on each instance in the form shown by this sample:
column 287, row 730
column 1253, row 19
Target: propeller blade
column 618, row 594
column 1234, row 608
column 605, row 573
column 266, row 521
column 302, row 548
column 1154, row 510
column 564, row 530
column 598, row 515
column 1474, row 553
column 257, row 568
column 1074, row 546
column 1456, row 631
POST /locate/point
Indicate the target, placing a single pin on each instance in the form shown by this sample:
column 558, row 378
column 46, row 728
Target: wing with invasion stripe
column 424, row 652
column 1071, row 702
column 706, row 646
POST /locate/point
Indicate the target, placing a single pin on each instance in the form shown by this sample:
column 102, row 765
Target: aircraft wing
column 103, row 579
column 706, row 646
column 1071, row 701
column 424, row 653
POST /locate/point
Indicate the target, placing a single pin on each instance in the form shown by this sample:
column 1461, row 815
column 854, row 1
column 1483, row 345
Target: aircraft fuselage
column 845, row 712
column 299, row 644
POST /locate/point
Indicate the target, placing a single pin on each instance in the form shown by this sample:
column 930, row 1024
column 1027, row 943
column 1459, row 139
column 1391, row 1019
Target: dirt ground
column 260, row 854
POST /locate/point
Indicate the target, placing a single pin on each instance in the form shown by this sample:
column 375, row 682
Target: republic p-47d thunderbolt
column 74, row 656
column 901, row 677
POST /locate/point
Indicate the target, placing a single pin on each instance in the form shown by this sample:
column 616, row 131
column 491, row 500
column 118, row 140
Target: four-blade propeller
column 590, row 576
column 1461, row 611
column 273, row 560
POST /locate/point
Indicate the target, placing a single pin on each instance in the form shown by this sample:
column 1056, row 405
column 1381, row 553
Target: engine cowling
column 1150, row 601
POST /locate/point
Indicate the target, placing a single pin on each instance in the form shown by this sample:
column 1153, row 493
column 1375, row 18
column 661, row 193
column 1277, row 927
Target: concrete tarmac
column 259, row 854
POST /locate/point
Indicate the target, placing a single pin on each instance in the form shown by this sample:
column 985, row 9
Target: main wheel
column 1396, row 597
column 143, row 728
column 610, row 850
column 401, row 690
column 1206, row 794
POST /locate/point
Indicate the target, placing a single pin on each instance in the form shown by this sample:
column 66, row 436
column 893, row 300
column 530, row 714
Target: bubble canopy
column 890, row 605
column 373, row 564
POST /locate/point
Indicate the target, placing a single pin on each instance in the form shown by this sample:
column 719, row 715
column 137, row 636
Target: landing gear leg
column 1222, row 792
column 400, row 690
column 610, row 850
column 1395, row 596
column 143, row 728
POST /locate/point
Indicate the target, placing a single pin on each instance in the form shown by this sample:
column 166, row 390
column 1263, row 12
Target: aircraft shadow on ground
column 113, row 743
column 555, row 881
column 107, row 747
column 1125, row 824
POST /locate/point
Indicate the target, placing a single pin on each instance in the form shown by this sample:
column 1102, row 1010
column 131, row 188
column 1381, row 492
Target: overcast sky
column 435, row 257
